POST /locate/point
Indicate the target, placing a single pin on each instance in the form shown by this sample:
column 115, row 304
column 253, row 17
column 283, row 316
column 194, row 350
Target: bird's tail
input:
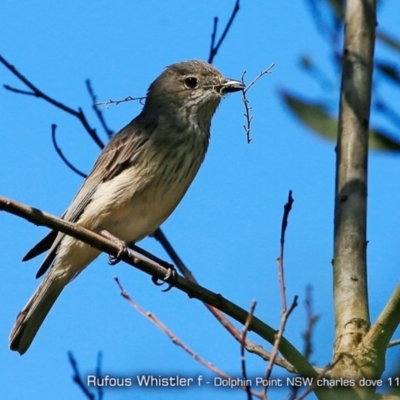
column 32, row 316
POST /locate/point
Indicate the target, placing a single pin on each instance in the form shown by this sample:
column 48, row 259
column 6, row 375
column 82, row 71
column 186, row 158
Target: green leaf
column 315, row 116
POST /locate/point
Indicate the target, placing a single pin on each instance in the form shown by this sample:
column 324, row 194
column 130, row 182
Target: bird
column 137, row 181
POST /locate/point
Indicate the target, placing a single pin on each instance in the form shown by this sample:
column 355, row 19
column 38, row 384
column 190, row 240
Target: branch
column 249, row 118
column 278, row 338
column 376, row 341
column 242, row 348
column 77, row 377
column 97, row 111
column 307, row 335
column 60, row 153
column 285, row 311
column 286, row 211
column 157, row 271
column 312, row 319
column 38, row 93
column 152, row 318
column 116, row 102
column 349, row 266
column 98, row 373
column 214, row 49
column 251, row 347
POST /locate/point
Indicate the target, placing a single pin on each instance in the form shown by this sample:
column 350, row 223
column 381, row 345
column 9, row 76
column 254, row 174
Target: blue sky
column 227, row 227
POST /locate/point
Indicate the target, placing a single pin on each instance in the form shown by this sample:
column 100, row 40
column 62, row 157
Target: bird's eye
column 191, row 82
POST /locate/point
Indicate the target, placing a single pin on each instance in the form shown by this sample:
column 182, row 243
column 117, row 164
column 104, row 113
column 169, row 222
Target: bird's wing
column 112, row 161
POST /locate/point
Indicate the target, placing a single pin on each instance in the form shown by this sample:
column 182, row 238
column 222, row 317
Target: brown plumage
column 135, row 184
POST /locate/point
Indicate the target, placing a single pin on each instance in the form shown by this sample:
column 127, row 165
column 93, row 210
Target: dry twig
column 247, row 127
column 116, row 102
column 158, row 271
column 242, row 348
column 175, row 339
column 77, row 378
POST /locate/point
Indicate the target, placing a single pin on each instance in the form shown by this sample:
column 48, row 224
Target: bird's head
column 189, row 91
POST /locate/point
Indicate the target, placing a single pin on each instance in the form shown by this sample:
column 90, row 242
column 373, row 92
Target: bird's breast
column 137, row 201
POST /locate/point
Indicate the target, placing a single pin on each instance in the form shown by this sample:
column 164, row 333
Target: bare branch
column 38, row 93
column 100, row 392
column 308, row 334
column 242, row 348
column 213, row 36
column 214, row 49
column 19, row 91
column 247, row 127
column 262, row 73
column 287, row 207
column 251, row 347
column 285, row 312
column 312, row 319
column 155, row 270
column 97, row 111
column 77, row 378
column 175, row 339
column 315, row 382
column 116, row 102
column 278, row 338
column 60, row 153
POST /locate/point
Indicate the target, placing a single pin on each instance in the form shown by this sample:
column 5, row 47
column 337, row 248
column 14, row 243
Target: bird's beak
column 231, row 86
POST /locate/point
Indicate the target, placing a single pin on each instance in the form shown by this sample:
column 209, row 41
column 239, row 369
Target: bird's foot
column 169, row 278
column 123, row 247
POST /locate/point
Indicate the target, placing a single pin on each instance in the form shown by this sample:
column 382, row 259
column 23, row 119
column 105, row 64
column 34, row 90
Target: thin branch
column 38, row 93
column 19, row 91
column 100, row 391
column 97, row 111
column 60, row 153
column 261, row 74
column 242, row 349
column 249, row 118
column 278, row 338
column 77, row 378
column 315, row 381
column 312, row 319
column 251, row 347
column 286, row 211
column 247, row 127
column 214, row 49
column 116, row 102
column 155, row 270
column 285, row 311
column 175, row 339
column 213, row 36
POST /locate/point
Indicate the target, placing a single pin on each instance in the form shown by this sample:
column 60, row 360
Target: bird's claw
column 169, row 278
column 123, row 247
column 113, row 260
